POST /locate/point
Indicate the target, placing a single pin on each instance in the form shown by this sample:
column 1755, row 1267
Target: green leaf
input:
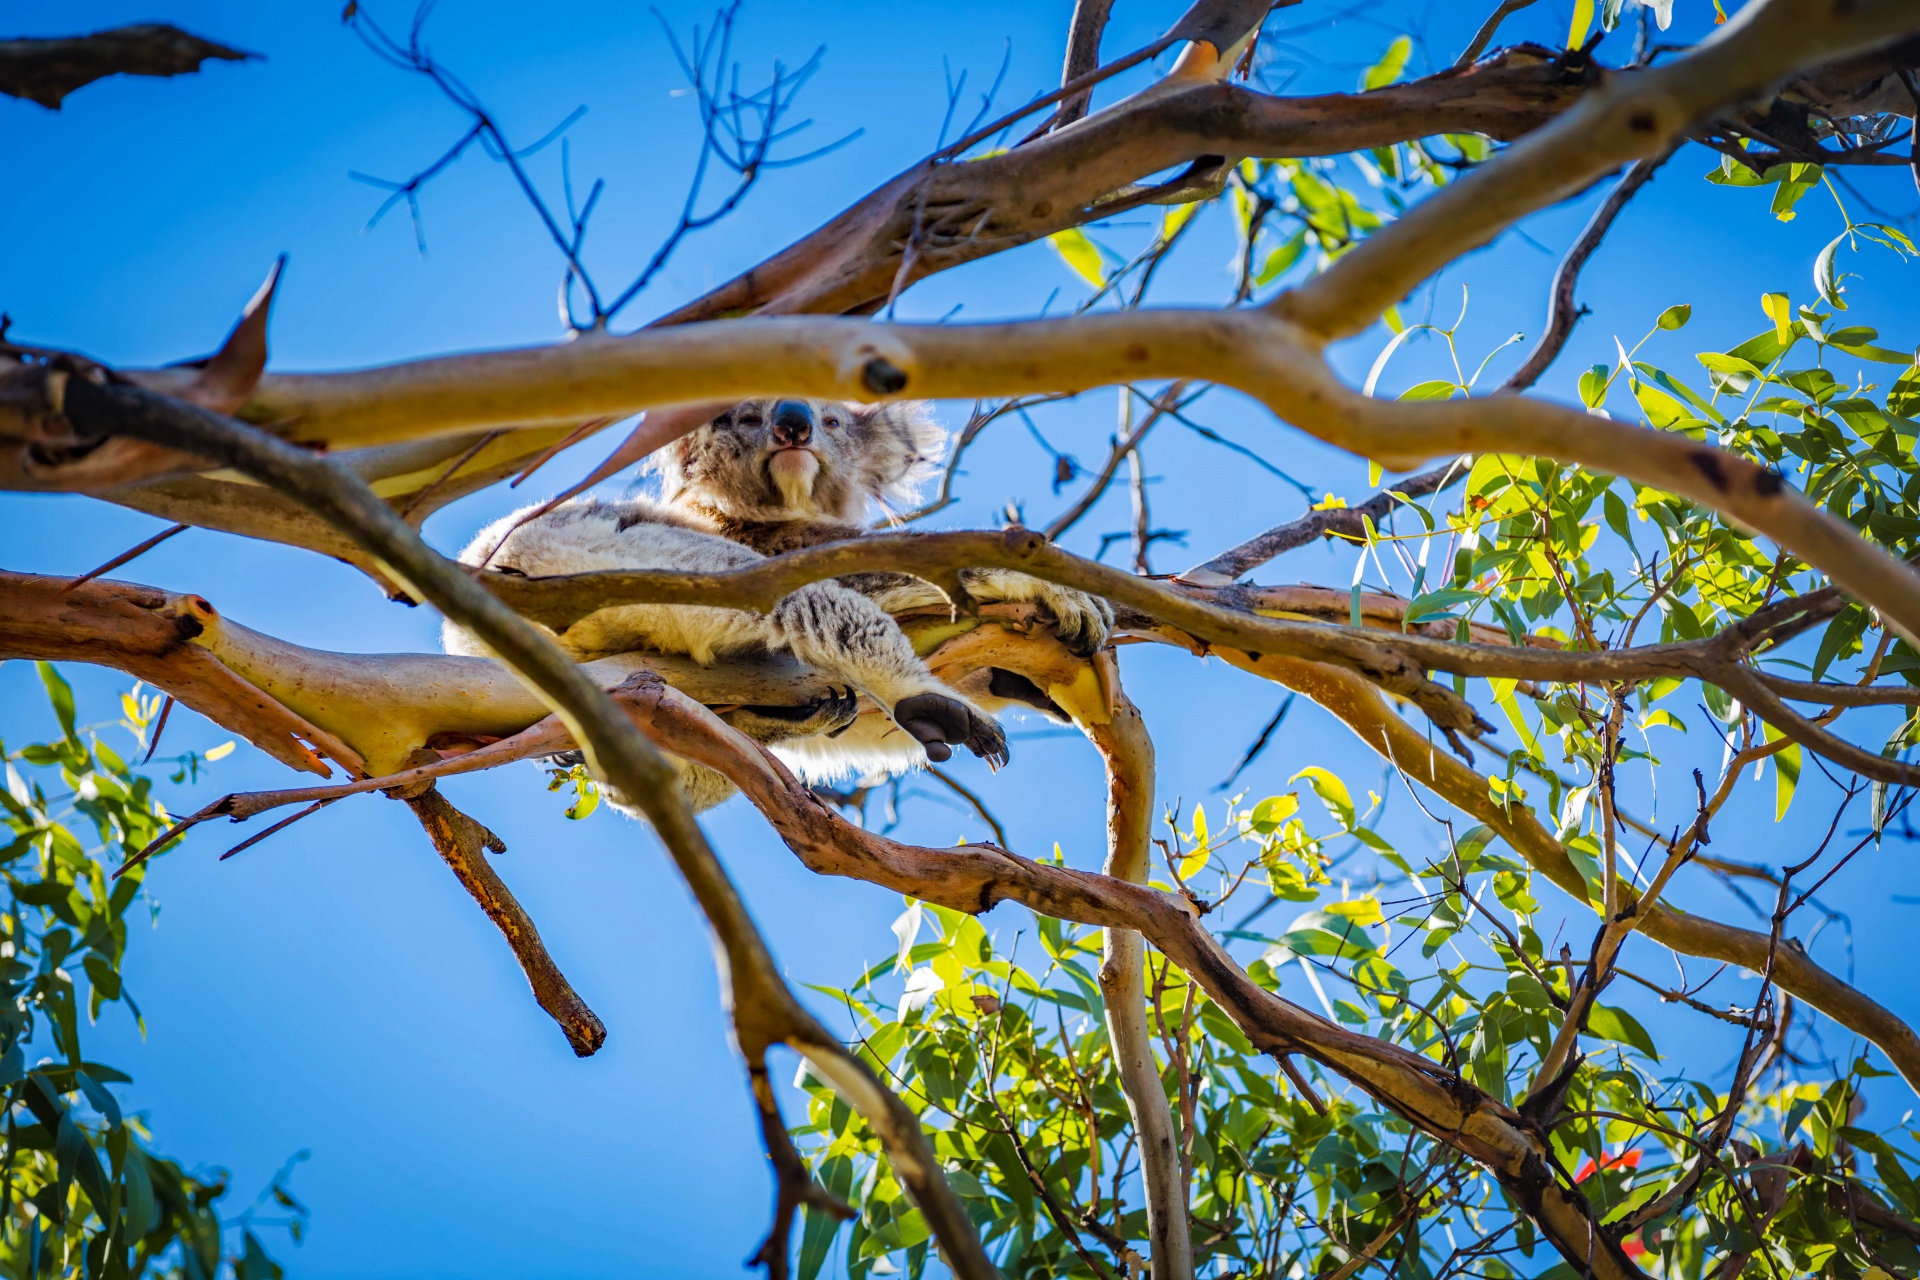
column 1827, row 280
column 1437, row 389
column 1391, row 64
column 1593, row 386
column 1272, row 813
column 1332, row 793
column 1658, row 719
column 1786, row 772
column 1780, row 311
column 1081, row 254
column 1434, row 602
column 1675, row 317
column 1280, row 259
column 60, row 694
column 1361, row 911
column 1621, row 1027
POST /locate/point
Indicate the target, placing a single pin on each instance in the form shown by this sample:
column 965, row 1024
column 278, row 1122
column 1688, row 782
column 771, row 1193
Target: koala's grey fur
column 773, row 476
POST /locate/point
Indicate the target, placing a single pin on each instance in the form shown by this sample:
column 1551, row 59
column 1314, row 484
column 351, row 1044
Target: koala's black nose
column 792, row 422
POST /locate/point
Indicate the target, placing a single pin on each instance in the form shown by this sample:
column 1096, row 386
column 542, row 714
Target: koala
column 769, row 476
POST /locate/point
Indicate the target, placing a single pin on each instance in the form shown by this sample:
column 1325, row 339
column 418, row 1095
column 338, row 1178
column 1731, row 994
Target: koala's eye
column 830, row 419
column 724, row 421
column 747, row 418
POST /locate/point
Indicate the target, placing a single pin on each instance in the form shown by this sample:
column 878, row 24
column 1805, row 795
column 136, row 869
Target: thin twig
column 1562, row 313
column 130, row 553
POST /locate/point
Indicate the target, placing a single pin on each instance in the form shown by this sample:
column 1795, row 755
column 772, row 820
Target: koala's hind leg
column 830, row 717
column 837, row 630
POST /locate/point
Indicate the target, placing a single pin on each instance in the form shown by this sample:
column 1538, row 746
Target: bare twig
column 130, row 554
column 1339, row 522
column 1562, row 313
column 1484, row 36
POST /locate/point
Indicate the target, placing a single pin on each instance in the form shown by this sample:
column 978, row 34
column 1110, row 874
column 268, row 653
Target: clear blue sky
column 334, row 989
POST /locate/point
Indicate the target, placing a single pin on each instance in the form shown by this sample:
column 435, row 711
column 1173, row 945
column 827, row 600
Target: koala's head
column 792, row 459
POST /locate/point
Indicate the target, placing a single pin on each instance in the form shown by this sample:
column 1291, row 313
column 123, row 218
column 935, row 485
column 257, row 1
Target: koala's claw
column 938, row 722
column 1082, row 622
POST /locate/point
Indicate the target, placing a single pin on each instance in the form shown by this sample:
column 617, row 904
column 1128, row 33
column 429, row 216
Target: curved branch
column 973, row 878
column 1562, row 313
column 392, row 704
column 764, row 1010
column 1256, row 352
column 1127, row 752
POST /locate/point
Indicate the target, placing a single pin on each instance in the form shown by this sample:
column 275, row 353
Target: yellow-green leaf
column 1081, row 254
column 1394, row 61
column 1582, row 24
column 1780, row 311
column 1786, row 772
column 1332, row 793
column 222, row 751
column 1362, row 911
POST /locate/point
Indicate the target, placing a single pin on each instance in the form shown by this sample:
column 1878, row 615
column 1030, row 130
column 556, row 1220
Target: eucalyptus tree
column 1144, row 1086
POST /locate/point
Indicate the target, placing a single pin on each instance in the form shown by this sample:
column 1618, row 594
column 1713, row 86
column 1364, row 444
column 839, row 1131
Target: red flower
column 1625, row 1160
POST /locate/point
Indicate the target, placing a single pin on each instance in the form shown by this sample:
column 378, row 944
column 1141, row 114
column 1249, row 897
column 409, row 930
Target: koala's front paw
column 1081, row 621
column 940, row 721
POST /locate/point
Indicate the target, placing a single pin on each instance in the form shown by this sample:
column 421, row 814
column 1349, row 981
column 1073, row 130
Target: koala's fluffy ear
column 902, row 446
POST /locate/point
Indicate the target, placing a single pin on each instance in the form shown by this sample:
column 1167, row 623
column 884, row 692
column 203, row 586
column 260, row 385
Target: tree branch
column 463, row 843
column 973, row 878
column 1340, row 522
column 1127, row 752
column 1083, row 55
column 1562, row 313
column 1634, row 116
column 1484, row 36
column 764, row 1011
column 47, row 70
column 391, row 705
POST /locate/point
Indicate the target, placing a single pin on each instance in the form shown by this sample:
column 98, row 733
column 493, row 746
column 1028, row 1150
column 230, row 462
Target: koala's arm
column 1083, row 621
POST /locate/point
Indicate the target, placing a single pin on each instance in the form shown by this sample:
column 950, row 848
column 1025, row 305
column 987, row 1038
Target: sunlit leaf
column 1080, row 253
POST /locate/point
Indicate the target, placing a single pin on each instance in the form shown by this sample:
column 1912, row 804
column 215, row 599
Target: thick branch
column 763, row 1009
column 400, row 701
column 1397, row 663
